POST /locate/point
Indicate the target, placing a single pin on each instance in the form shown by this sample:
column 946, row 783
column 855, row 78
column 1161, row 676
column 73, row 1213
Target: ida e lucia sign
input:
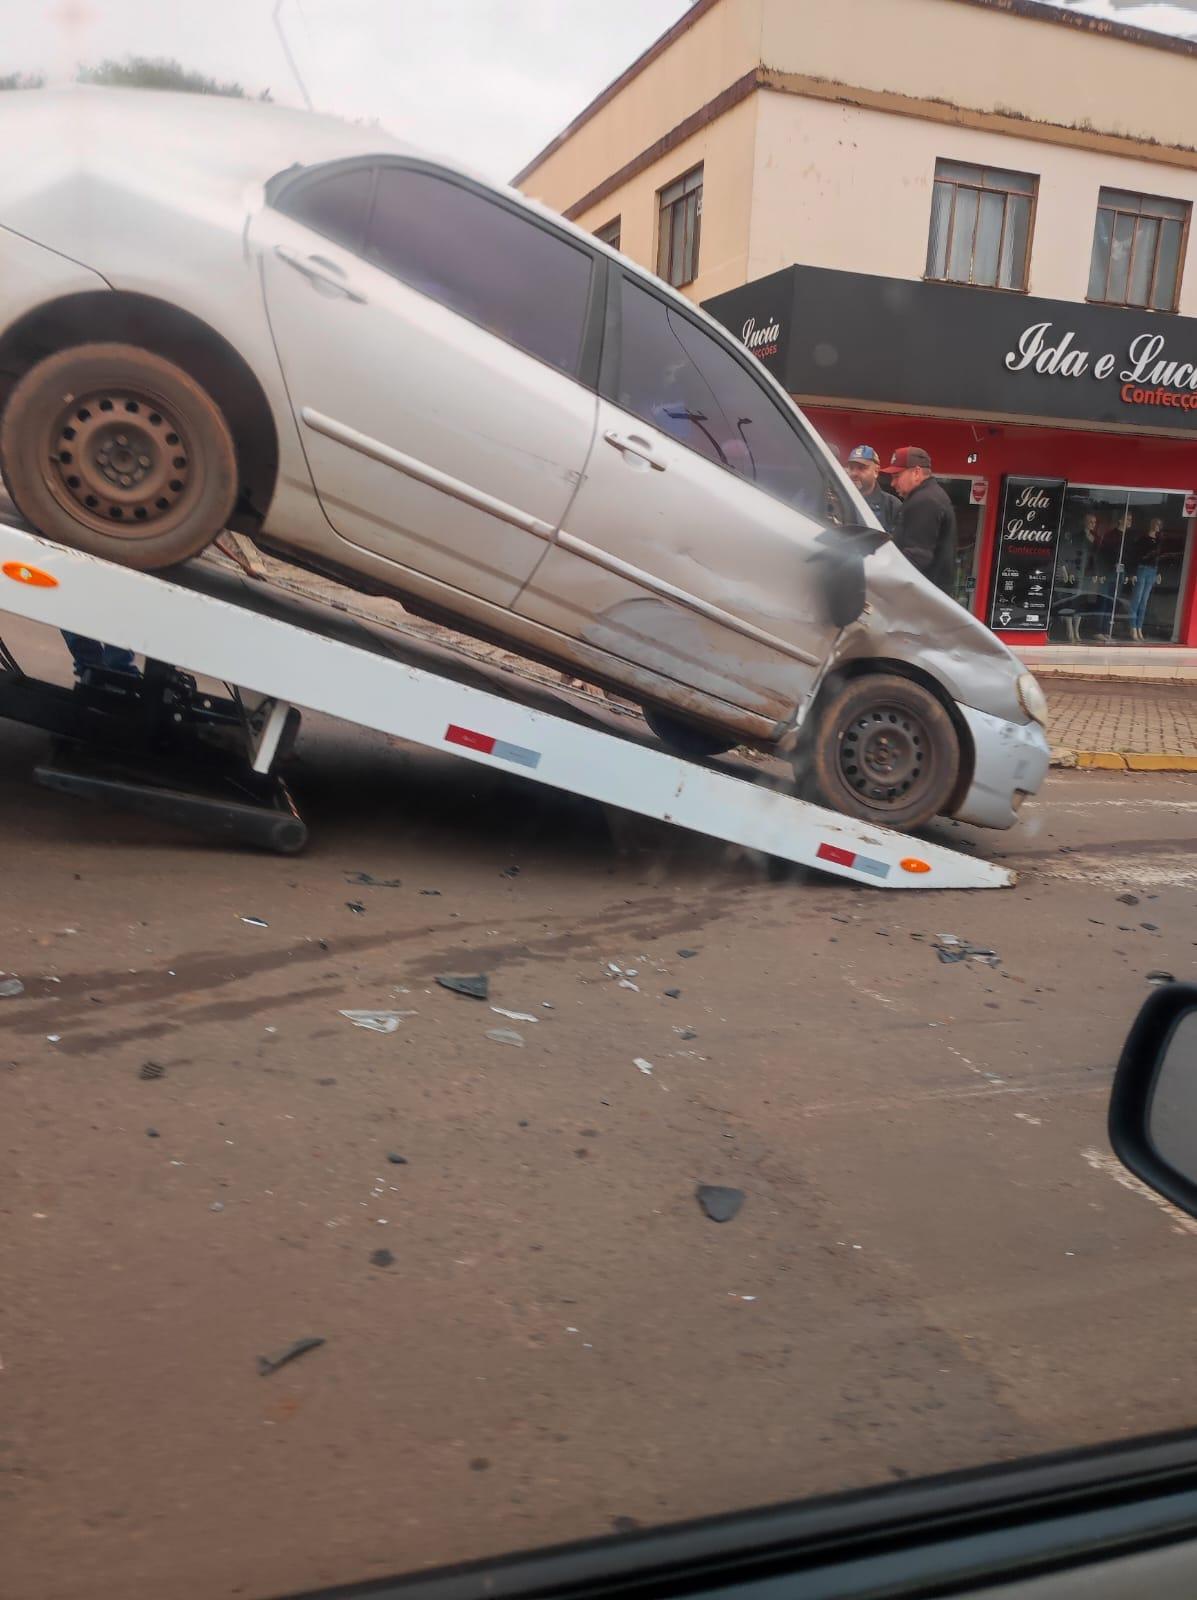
column 1025, row 563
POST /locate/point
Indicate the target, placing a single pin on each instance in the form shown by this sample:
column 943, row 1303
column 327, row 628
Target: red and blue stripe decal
column 487, row 745
column 849, row 858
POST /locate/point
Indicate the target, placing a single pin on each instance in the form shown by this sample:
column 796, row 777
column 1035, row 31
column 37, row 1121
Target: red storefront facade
column 1066, row 435
column 988, row 453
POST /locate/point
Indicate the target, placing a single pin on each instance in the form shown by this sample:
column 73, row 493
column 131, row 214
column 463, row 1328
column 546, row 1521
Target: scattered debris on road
column 685, row 1033
column 256, row 922
column 381, row 1258
column 510, row 872
column 643, row 1066
column 356, row 907
column 269, row 1364
column 673, row 994
column 151, row 1133
column 217, row 1205
column 377, row 1021
column 368, row 881
column 951, row 948
column 476, row 985
column 10, row 988
column 719, row 1203
column 505, row 1036
column 430, row 891
column 1128, row 899
column 151, row 1069
column 686, row 954
column 395, row 1159
column 515, row 1016
column 1160, row 977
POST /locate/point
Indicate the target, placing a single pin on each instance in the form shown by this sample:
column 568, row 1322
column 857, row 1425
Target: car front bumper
column 1011, row 761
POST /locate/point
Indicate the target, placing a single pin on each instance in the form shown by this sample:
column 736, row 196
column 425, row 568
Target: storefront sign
column 1191, row 505
column 980, row 491
column 848, row 336
column 1025, row 563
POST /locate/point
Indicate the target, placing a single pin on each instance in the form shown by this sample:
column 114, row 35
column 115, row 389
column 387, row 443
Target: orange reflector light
column 913, row 864
column 20, row 573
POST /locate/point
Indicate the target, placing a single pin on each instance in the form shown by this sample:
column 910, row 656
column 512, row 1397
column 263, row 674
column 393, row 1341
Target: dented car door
column 689, row 547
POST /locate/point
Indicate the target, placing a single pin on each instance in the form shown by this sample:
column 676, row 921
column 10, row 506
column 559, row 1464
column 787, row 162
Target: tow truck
column 166, row 746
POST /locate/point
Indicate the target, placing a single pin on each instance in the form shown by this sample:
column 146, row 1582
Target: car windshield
column 598, row 748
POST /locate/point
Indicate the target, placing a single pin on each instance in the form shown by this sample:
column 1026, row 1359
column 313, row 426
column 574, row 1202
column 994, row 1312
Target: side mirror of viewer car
column 1153, row 1104
column 840, row 559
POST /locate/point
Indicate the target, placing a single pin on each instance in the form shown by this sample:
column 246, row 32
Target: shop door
column 1122, row 561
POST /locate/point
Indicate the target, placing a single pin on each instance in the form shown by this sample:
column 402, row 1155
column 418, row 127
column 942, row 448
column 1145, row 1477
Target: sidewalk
column 1121, row 726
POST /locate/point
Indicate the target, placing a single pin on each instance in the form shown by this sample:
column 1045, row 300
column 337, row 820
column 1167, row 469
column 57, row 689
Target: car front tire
column 116, row 451
column 885, row 751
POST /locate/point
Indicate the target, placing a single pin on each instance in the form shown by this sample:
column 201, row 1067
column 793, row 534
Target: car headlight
column 1032, row 698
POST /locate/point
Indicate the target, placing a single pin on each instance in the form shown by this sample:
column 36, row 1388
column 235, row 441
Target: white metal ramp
column 209, row 622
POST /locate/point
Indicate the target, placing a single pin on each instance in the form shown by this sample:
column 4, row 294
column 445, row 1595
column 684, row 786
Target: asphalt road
column 937, row 1264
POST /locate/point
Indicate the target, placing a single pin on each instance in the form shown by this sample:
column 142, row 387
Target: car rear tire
column 114, row 450
column 884, row 750
column 686, row 738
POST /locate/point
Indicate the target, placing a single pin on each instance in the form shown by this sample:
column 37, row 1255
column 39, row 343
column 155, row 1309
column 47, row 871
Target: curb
column 1123, row 761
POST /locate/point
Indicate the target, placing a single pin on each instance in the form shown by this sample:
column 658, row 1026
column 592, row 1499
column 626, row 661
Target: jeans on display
column 1144, row 584
column 87, row 652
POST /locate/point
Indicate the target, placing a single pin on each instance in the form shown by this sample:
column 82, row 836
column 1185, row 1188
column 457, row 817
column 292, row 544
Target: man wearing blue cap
column 864, row 468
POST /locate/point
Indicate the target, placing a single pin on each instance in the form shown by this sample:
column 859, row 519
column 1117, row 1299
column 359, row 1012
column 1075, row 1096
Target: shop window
column 1121, row 565
column 981, row 222
column 674, row 375
column 609, row 234
column 678, row 226
column 1138, row 247
column 503, row 270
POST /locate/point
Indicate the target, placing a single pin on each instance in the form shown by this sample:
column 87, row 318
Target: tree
column 159, row 72
column 21, row 80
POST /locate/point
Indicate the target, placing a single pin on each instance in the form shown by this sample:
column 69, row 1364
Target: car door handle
column 629, row 446
column 319, row 269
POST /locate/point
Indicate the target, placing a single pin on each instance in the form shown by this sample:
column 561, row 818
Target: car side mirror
column 1153, row 1104
column 840, row 556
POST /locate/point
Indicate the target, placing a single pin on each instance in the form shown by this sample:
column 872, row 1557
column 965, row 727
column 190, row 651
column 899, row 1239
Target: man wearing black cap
column 926, row 531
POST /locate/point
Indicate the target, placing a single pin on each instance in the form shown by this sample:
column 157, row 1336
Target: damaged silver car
column 388, row 370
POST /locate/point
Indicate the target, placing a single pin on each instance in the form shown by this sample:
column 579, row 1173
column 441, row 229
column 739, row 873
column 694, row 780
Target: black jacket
column 886, row 507
column 926, row 534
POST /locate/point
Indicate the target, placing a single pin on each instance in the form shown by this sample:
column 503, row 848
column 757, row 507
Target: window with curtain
column 1138, row 248
column 981, row 221
column 610, row 233
column 679, row 223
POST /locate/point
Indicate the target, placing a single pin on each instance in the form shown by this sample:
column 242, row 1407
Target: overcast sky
column 487, row 81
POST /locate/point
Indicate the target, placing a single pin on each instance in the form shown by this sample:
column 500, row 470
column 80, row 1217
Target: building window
column 981, row 225
column 678, row 229
column 609, row 233
column 1138, row 243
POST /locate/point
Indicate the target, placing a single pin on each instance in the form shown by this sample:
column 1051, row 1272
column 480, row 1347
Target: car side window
column 676, row 376
column 487, row 262
column 335, row 205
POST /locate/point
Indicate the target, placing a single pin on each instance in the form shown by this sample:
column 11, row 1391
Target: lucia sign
column 1146, row 373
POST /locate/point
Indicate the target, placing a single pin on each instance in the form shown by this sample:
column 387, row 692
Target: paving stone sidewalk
column 1136, row 726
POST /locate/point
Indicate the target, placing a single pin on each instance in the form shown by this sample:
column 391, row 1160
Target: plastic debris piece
column 1151, row 927
column 256, row 922
column 1160, row 977
column 673, row 994
column 1128, row 899
column 151, row 1133
column 368, row 881
column 686, row 954
column 950, row 948
column 626, row 983
column 377, row 1021
column 381, row 1258
column 510, row 872
column 356, row 907
column 10, row 988
column 516, row 1016
column 505, row 1036
column 685, row 1033
column 217, row 1205
column 269, row 1364
column 719, row 1204
column 644, row 1066
column 395, row 1159
column 476, row 985
column 430, row 891
column 54, row 1038
column 151, row 1069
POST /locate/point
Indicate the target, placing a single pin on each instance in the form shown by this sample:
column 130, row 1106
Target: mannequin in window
column 1143, row 564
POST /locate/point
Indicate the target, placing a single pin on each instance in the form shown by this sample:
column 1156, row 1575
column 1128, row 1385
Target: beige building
column 846, row 181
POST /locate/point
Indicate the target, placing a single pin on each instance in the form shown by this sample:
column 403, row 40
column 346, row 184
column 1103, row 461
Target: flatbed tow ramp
column 163, row 746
